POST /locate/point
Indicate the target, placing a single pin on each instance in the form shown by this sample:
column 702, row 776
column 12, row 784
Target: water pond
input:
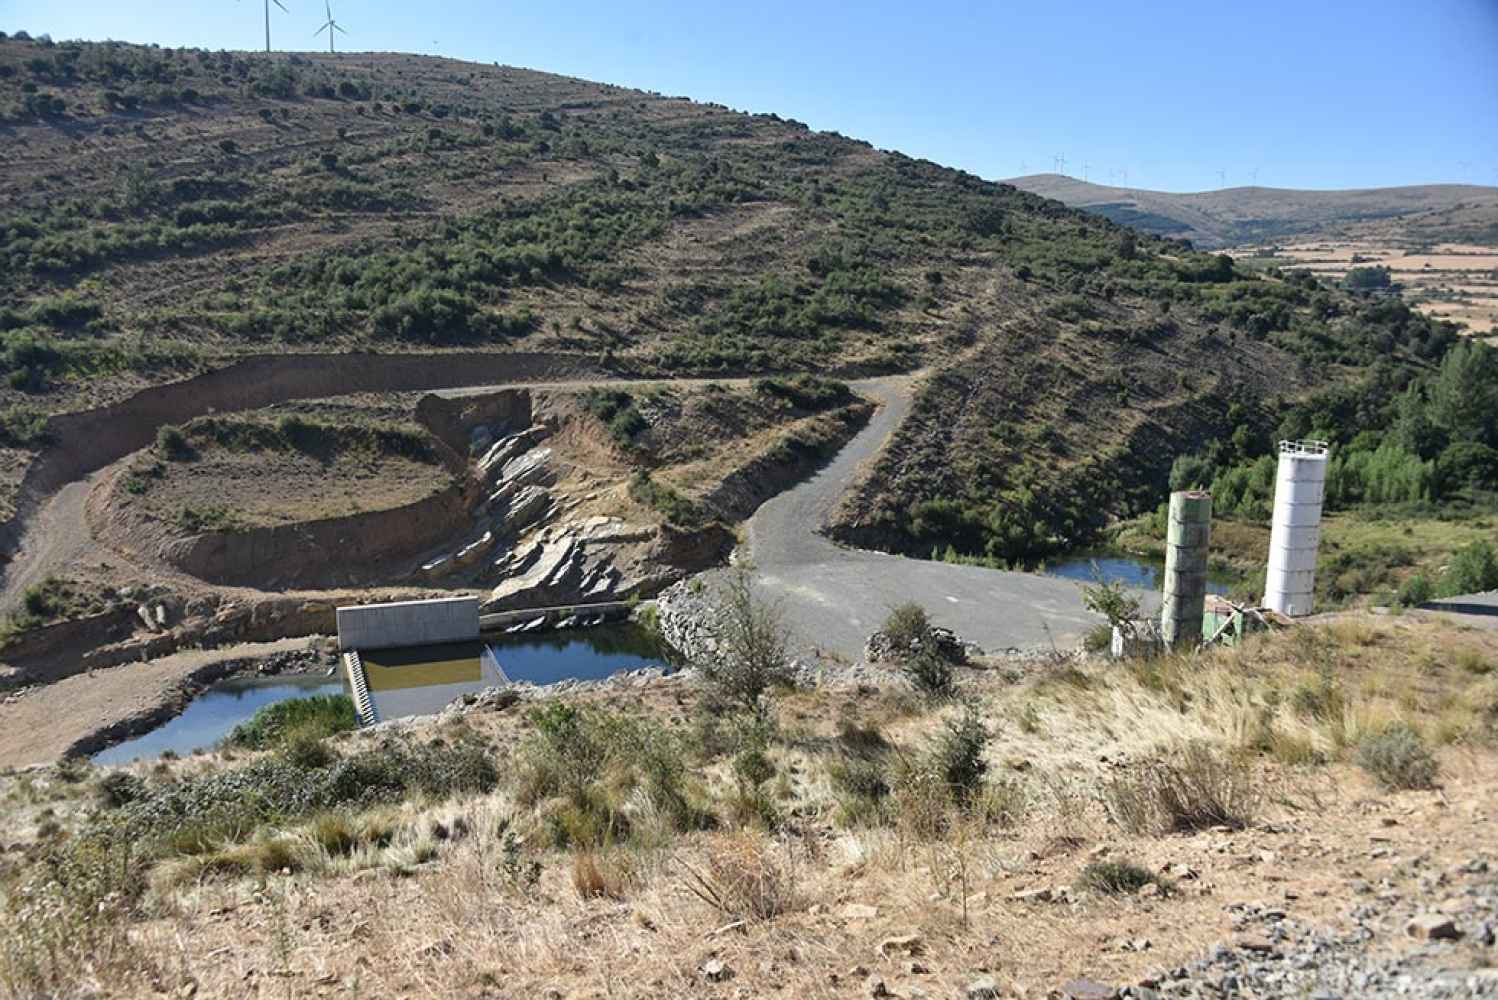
column 210, row 716
column 1130, row 571
column 542, row 657
column 584, row 654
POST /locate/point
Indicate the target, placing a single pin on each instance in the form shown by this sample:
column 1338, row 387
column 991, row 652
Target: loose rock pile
column 295, row 661
column 689, row 618
column 880, row 648
column 1455, row 919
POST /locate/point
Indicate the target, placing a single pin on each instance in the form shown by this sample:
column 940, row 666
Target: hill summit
column 163, row 212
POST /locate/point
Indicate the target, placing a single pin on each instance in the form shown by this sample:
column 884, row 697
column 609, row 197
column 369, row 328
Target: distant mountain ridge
column 1236, row 216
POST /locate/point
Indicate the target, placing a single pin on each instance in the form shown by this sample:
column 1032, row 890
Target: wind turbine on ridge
column 330, row 26
column 278, row 3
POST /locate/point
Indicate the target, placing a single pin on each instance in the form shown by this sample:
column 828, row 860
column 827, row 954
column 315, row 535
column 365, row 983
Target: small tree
column 930, row 673
column 752, row 652
column 1113, row 602
column 907, row 627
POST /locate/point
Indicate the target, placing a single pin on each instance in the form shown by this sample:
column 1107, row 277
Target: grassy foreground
column 621, row 844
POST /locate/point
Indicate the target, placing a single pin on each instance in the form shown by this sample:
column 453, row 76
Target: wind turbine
column 330, row 26
column 278, row 3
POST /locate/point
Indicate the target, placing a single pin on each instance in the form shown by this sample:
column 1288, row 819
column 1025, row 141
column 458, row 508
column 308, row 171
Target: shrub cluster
column 199, row 813
column 1398, row 758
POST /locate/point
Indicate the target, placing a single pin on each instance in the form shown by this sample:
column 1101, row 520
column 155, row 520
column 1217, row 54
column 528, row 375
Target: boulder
column 1432, row 927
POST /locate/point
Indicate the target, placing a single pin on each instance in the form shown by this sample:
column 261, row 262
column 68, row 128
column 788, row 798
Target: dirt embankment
column 88, row 440
column 326, row 552
column 787, row 462
column 337, row 551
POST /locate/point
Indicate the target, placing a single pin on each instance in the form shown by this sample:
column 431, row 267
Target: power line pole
column 1085, row 168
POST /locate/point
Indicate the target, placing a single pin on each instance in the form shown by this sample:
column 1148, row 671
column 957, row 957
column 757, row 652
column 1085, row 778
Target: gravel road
column 833, row 597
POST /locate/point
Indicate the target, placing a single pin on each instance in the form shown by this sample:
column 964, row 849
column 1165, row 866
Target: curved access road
column 834, row 597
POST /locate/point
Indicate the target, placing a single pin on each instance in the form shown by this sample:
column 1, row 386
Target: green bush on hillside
column 316, row 716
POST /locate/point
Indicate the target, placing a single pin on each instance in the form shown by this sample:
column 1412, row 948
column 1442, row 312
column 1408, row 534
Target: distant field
column 1254, row 216
column 1452, row 281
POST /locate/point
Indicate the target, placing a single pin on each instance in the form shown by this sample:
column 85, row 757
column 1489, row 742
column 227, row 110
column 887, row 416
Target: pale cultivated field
column 1457, row 282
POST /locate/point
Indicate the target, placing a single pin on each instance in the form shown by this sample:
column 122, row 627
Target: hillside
column 1428, row 213
column 165, row 212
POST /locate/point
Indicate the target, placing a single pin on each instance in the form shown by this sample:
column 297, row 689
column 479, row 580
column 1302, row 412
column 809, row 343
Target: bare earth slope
column 165, row 213
column 1233, row 216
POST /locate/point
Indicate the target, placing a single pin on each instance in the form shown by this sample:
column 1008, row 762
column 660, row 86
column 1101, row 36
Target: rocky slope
column 162, row 212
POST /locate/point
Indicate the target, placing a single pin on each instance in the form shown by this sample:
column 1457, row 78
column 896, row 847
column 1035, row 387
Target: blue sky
column 1312, row 93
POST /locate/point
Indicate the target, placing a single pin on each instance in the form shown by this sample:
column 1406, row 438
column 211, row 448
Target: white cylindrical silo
column 1296, row 529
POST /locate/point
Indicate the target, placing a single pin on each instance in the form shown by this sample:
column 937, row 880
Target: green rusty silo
column 1186, row 538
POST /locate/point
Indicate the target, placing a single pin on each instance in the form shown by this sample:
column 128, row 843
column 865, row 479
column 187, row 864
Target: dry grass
column 470, row 895
column 1187, row 788
column 742, row 878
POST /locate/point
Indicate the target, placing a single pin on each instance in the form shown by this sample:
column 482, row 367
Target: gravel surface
column 834, row 597
column 1385, row 950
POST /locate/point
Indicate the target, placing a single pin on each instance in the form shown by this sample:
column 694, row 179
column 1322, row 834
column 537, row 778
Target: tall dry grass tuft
column 1190, row 787
column 608, row 873
column 743, row 878
column 66, row 925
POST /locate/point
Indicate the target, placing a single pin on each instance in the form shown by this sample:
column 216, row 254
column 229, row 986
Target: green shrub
column 303, row 746
column 1119, row 878
column 1416, row 590
column 958, row 756
column 930, row 673
column 677, row 509
column 593, row 761
column 907, row 626
column 172, row 442
column 312, row 718
column 1474, row 568
column 807, row 392
column 23, row 426
column 199, row 814
column 616, row 409
column 120, row 788
column 1398, row 758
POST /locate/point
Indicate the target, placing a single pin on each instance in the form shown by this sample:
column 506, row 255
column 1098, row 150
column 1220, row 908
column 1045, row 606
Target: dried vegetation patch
column 662, row 841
